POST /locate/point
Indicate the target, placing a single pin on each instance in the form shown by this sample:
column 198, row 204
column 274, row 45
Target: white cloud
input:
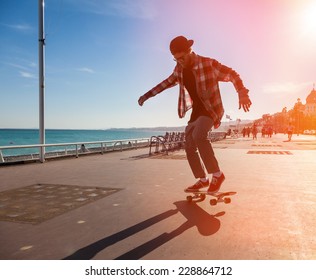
column 19, row 27
column 21, row 64
column 33, row 64
column 85, row 69
column 285, row 94
column 136, row 9
column 27, row 75
column 285, row 87
column 17, row 66
column 143, row 9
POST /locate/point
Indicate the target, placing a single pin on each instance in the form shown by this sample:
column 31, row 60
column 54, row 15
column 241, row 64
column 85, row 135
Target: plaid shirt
column 208, row 73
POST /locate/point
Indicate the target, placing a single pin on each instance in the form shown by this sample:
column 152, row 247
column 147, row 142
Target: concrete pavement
column 136, row 208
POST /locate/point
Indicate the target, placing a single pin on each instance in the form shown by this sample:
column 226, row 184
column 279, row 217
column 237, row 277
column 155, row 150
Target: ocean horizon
column 29, row 136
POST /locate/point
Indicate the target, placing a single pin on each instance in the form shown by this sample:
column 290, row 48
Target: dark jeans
column 198, row 147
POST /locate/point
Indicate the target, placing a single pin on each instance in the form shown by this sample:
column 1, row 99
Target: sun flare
column 309, row 20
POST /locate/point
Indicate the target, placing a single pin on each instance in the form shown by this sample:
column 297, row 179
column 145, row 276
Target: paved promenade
column 126, row 205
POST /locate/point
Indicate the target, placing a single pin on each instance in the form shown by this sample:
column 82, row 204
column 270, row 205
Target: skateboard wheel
column 213, row 202
column 202, row 196
column 189, row 198
column 227, row 200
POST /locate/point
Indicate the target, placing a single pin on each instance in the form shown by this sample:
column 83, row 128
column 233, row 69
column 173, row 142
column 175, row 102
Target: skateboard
column 218, row 197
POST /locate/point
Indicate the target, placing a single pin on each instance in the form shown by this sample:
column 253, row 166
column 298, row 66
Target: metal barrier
column 1, row 157
column 172, row 141
column 78, row 148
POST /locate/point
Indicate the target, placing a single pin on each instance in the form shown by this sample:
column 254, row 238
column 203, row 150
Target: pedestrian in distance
column 254, row 131
column 290, row 129
column 198, row 78
column 248, row 131
column 244, row 131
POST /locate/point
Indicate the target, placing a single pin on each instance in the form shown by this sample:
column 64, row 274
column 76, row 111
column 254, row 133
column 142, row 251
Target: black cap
column 180, row 44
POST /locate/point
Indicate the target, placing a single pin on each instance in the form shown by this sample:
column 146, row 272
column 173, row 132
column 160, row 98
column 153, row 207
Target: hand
column 217, row 125
column 141, row 100
column 245, row 103
column 244, row 100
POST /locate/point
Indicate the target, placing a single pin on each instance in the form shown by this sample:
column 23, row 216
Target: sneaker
column 197, row 186
column 216, row 183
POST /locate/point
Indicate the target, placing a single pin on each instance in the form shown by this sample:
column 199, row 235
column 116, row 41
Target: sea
column 16, row 137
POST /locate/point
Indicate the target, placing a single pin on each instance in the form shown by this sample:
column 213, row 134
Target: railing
column 215, row 136
column 171, row 141
column 176, row 140
column 73, row 149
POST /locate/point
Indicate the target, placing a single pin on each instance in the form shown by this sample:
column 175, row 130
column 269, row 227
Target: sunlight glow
column 309, row 20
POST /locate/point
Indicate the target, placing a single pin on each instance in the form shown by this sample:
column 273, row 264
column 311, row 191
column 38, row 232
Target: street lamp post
column 41, row 60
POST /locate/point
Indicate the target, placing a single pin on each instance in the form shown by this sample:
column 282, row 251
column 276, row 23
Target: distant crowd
column 254, row 130
column 265, row 131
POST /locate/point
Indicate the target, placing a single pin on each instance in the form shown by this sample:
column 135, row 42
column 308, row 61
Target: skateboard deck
column 218, row 197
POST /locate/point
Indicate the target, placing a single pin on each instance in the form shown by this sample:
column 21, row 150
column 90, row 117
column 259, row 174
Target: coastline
column 88, row 148
column 30, row 137
column 70, row 153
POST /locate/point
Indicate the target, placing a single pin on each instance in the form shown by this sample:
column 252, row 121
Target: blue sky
column 101, row 55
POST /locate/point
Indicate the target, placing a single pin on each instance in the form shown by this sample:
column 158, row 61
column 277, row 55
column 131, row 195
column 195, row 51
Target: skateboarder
column 198, row 78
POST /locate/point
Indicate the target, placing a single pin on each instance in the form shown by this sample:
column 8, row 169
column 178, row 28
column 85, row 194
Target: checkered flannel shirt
column 208, row 73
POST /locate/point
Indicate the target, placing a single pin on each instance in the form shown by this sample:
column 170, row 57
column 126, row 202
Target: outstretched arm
column 167, row 83
column 227, row 74
column 142, row 99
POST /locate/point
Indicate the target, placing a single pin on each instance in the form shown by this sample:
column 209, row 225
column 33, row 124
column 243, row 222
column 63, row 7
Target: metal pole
column 41, row 59
column 1, row 157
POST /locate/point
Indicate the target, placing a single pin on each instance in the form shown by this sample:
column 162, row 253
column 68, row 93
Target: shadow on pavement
column 196, row 217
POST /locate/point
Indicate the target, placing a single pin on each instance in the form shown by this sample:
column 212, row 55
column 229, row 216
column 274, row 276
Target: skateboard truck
column 218, row 197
